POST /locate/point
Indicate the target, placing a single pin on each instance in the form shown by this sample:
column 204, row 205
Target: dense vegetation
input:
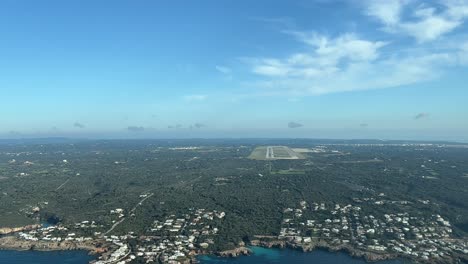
column 76, row 181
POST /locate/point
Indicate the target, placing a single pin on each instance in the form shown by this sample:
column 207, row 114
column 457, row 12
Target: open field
column 258, row 153
column 274, row 153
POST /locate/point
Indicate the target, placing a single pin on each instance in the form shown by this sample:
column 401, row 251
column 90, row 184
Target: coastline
column 12, row 230
column 94, row 247
column 103, row 249
column 309, row 247
column 367, row 256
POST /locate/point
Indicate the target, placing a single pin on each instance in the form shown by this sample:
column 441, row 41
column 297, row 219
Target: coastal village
column 347, row 227
column 173, row 239
column 178, row 238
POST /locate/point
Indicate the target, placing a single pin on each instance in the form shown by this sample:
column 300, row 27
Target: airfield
column 274, row 153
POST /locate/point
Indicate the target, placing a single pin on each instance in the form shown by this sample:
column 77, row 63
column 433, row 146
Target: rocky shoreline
column 236, row 252
column 13, row 243
column 102, row 248
column 368, row 256
column 11, row 230
column 98, row 247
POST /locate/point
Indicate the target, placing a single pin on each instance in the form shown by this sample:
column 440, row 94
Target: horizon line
column 233, row 138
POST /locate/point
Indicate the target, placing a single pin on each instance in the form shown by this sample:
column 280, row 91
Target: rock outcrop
column 235, row 252
column 269, row 244
column 11, row 242
column 11, row 230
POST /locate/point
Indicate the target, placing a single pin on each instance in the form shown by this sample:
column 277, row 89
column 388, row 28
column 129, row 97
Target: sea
column 44, row 257
column 266, row 255
column 260, row 255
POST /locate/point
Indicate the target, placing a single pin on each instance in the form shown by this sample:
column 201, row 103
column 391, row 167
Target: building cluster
column 185, row 148
column 79, row 232
column 174, row 238
column 119, row 212
column 121, row 253
column 421, row 237
column 179, row 237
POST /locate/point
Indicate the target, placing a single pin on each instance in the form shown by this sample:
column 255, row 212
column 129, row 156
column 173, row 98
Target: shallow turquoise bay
column 264, row 255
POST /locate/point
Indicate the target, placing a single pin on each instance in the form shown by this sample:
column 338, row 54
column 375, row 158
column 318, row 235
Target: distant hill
column 32, row 141
column 220, row 141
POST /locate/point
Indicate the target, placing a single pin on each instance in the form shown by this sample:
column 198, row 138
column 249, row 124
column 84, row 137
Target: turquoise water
column 49, row 257
column 265, row 255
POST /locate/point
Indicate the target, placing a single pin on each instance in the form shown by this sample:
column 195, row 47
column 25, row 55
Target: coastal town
column 172, row 239
column 345, row 226
column 180, row 238
column 180, row 202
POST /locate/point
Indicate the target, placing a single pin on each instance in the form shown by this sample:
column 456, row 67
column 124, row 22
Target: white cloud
column 324, row 61
column 350, row 62
column 363, row 76
column 429, row 28
column 270, row 67
column 195, row 97
column 457, row 9
column 329, row 55
column 346, row 46
column 388, row 11
column 422, row 22
column 223, row 69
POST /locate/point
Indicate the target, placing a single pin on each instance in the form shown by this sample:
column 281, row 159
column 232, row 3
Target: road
column 130, row 213
column 63, row 184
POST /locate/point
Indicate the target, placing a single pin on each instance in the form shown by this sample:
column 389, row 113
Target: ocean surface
column 265, row 255
column 41, row 257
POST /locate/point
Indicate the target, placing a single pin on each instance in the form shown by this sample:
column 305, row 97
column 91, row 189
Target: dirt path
column 63, row 184
column 130, row 212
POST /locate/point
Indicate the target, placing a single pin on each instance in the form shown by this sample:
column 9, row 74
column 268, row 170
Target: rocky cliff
column 306, row 247
column 235, row 252
column 10, row 242
column 11, row 230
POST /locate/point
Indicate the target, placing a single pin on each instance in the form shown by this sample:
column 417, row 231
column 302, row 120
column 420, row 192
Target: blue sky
column 322, row 69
